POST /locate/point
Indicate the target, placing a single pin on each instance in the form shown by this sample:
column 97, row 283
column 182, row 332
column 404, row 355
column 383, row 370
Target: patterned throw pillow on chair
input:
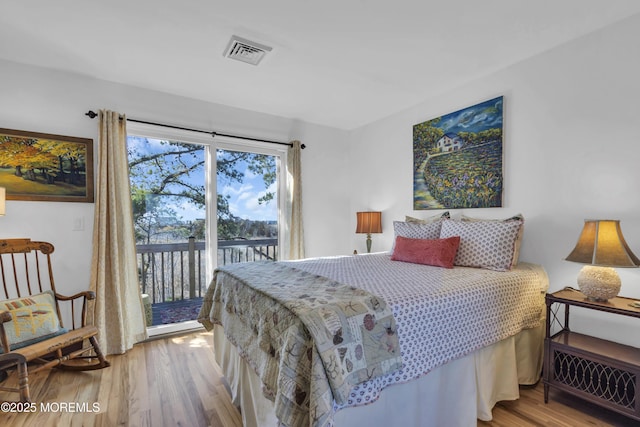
column 33, row 319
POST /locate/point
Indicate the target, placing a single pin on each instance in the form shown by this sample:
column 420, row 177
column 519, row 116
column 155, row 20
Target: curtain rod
column 93, row 114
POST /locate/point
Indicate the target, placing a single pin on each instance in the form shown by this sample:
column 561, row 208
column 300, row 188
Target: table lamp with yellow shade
column 601, row 246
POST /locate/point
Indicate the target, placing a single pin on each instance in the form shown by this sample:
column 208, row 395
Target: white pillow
column 484, row 244
column 416, row 230
column 517, row 217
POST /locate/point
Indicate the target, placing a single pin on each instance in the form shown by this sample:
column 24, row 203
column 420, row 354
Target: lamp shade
column 3, row 194
column 601, row 243
column 369, row 222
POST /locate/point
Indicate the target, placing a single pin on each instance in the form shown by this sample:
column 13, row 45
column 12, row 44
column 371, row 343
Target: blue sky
column 243, row 201
column 243, row 197
column 479, row 117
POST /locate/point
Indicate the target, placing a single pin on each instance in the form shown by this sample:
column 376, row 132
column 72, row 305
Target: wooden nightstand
column 600, row 371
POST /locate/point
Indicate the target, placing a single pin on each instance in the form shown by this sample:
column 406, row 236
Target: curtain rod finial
column 303, row 146
column 92, row 114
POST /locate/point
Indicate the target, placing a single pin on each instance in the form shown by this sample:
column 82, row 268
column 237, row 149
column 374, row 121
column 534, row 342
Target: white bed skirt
column 455, row 394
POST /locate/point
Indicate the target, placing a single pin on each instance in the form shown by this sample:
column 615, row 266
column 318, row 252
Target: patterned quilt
column 309, row 338
column 441, row 314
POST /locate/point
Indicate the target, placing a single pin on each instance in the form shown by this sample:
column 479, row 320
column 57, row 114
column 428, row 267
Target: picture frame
column 46, row 167
column 458, row 158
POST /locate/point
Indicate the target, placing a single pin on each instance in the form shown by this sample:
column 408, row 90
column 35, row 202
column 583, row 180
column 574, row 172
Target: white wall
column 571, row 152
column 571, row 149
column 42, row 100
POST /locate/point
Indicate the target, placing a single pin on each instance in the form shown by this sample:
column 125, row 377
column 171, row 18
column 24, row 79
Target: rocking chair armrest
column 77, row 309
column 5, row 316
column 90, row 295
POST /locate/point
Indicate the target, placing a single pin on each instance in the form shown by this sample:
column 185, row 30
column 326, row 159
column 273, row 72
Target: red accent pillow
column 438, row 252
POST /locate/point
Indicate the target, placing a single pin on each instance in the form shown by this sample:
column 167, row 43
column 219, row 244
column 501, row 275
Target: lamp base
column 599, row 283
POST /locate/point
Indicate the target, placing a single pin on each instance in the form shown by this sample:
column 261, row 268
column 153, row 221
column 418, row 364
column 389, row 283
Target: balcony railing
column 176, row 271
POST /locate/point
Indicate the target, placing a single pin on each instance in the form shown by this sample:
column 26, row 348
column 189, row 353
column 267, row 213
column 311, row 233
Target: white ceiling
column 340, row 63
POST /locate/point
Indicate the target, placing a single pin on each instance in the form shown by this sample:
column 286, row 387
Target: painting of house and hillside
column 457, row 159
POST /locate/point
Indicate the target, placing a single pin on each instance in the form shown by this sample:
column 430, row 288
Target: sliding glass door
column 167, row 179
column 181, row 234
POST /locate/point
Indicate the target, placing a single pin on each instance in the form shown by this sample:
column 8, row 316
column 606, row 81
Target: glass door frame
column 211, row 144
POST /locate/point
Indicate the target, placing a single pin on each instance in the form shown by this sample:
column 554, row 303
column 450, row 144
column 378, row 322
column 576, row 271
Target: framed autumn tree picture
column 45, row 167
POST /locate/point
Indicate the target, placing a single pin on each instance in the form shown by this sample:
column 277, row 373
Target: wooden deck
column 175, row 311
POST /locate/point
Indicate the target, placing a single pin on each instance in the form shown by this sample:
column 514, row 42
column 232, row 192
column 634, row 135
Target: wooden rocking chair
column 32, row 334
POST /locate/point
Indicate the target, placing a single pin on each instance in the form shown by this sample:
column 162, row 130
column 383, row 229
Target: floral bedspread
column 442, row 314
column 310, row 339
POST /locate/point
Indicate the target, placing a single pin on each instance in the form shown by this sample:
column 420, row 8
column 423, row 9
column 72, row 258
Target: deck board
column 174, row 309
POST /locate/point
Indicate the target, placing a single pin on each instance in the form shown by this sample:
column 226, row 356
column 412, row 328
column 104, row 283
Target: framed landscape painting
column 40, row 166
column 457, row 159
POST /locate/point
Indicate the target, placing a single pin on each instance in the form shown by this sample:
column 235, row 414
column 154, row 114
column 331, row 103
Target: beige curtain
column 294, row 202
column 118, row 307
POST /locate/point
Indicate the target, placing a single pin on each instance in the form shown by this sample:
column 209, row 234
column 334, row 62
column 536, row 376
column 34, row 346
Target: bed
column 437, row 346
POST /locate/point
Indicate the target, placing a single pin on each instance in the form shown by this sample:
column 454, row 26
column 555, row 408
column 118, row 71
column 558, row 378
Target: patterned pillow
column 33, row 318
column 517, row 217
column 484, row 244
column 437, row 252
column 434, row 218
column 415, row 230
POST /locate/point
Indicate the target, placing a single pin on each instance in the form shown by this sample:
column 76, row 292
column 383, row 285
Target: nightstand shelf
column 600, row 371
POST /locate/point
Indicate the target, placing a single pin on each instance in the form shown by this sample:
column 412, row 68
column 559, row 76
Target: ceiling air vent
column 245, row 50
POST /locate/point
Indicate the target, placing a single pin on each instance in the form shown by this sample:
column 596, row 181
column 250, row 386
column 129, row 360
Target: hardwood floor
column 562, row 410
column 165, row 382
column 174, row 381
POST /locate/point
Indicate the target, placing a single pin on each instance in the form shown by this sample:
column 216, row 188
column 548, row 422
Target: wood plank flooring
column 174, row 381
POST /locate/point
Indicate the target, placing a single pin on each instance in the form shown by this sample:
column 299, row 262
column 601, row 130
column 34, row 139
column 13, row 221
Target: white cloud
column 243, row 198
column 250, row 175
column 247, row 195
column 234, row 209
column 187, row 211
column 261, row 211
column 235, row 191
